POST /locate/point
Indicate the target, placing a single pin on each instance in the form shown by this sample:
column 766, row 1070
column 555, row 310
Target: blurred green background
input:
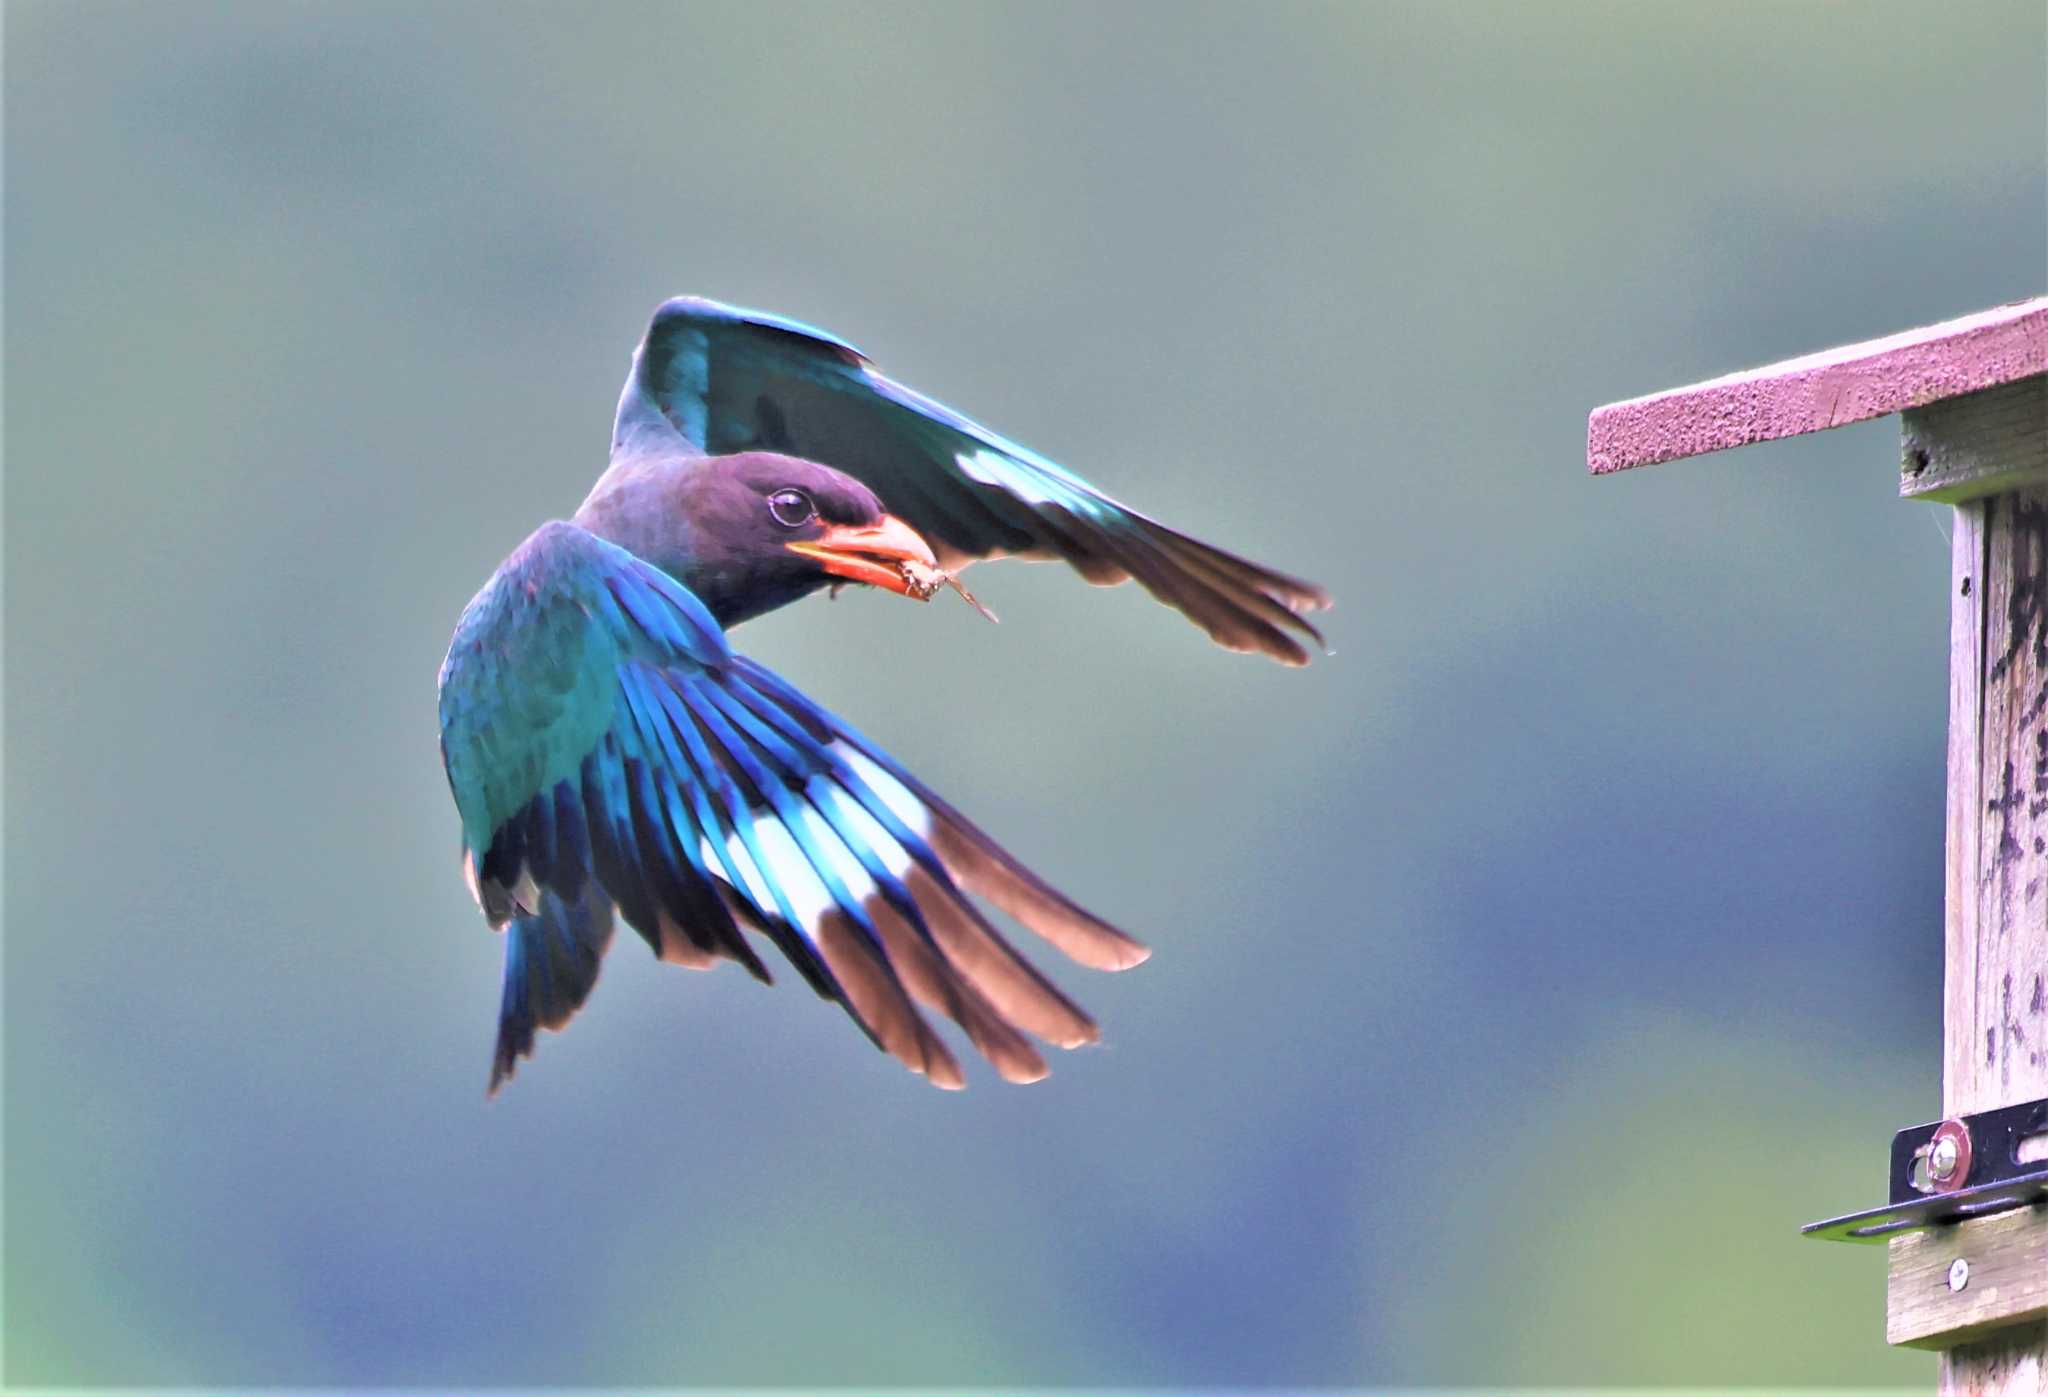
column 1526, row 973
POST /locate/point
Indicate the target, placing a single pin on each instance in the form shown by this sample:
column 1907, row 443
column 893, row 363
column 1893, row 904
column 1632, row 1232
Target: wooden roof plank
column 1830, row 389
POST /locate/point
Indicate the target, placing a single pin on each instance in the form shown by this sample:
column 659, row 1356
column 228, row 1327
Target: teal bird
column 611, row 755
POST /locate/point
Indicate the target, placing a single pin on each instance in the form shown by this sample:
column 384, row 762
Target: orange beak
column 872, row 553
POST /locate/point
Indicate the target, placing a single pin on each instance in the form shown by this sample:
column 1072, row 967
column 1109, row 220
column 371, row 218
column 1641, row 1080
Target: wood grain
column 2007, row 1256
column 1974, row 394
column 1994, row 1001
column 1983, row 443
column 1828, row 389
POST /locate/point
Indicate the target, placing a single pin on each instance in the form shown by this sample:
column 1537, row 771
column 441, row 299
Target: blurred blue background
column 1525, row 974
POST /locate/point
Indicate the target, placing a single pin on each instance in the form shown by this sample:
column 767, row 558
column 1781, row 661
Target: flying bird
column 612, row 756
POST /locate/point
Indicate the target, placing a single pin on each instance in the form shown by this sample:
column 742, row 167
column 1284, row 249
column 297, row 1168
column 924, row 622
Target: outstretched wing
column 728, row 380
column 606, row 748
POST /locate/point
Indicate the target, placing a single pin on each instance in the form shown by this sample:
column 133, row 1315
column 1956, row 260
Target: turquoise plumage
column 605, row 745
column 723, row 379
column 609, row 753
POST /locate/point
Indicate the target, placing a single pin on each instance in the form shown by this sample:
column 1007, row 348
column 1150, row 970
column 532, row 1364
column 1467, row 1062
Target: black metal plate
column 1996, row 1180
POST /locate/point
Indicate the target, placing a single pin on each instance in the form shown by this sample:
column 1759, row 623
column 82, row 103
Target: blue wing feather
column 821, row 776
column 607, row 749
column 551, row 962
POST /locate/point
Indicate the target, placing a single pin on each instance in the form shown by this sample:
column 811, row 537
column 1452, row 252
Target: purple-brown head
column 753, row 531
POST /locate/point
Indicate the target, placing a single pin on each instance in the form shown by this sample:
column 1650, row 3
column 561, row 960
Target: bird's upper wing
column 606, row 748
column 730, row 380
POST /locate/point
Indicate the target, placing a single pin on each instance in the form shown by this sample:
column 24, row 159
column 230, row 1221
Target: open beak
column 871, row 553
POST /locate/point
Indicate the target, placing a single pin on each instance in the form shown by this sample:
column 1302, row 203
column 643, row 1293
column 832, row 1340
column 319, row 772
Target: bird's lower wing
column 716, row 799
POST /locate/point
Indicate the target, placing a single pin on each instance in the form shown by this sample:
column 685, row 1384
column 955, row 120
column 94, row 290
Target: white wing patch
column 790, row 870
column 1038, row 482
column 845, row 810
column 754, row 888
column 994, row 468
column 894, row 793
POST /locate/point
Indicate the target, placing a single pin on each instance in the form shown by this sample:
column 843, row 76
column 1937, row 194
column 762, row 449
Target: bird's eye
column 791, row 508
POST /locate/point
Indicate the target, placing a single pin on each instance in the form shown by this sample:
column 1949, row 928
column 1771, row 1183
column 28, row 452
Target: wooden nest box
column 1973, row 399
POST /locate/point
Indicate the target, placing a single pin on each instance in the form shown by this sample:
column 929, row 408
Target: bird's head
column 761, row 530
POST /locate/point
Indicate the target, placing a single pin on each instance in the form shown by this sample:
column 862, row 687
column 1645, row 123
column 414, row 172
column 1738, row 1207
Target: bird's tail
column 551, row 963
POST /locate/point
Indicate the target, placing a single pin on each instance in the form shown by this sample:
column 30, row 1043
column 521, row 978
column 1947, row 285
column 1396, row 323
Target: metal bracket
column 1948, row 1171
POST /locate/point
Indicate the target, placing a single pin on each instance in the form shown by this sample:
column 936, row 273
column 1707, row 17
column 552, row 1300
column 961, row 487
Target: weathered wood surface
column 2007, row 1277
column 1994, row 1000
column 1974, row 392
column 2008, row 1364
column 1828, row 389
column 1983, row 443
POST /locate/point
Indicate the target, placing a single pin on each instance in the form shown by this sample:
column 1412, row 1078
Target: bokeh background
column 1526, row 973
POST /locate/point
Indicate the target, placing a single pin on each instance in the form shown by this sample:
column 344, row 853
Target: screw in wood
column 1948, row 1156
column 1958, row 1274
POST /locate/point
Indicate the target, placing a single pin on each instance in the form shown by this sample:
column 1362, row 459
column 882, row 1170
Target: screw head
column 1958, row 1274
column 1948, row 1156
